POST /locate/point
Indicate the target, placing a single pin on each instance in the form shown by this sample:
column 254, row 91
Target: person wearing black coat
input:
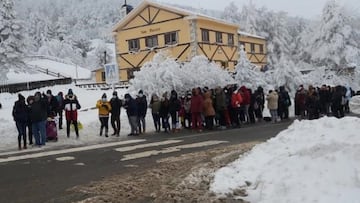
column 53, row 104
column 337, row 102
column 164, row 112
column 38, row 116
column 283, row 103
column 20, row 114
column 132, row 113
column 116, row 105
column 142, row 109
column 174, row 108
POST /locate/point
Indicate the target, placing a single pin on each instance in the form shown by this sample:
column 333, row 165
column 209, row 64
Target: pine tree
column 11, row 37
column 333, row 42
column 248, row 74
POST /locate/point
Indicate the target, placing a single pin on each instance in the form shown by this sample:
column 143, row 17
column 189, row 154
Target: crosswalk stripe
column 65, row 151
column 170, row 149
column 154, row 144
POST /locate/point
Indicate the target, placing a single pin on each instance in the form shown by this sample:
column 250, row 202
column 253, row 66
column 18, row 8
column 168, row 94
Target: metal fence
column 13, row 88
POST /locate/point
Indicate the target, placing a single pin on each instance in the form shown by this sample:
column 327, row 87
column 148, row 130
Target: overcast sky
column 303, row 8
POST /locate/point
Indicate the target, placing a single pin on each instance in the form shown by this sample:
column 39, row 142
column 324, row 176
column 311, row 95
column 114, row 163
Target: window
column 151, row 41
column 103, row 76
column 205, row 35
column 134, row 45
column 171, row 38
column 252, row 48
column 261, row 48
column 230, row 39
column 219, row 37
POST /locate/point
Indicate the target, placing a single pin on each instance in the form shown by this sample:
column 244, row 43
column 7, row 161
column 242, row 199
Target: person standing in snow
column 155, row 105
column 300, row 97
column 71, row 105
column 209, row 111
column 272, row 99
column 197, row 105
column 174, row 108
column 20, row 114
column 116, row 105
column 104, row 110
column 164, row 112
column 142, row 109
column 38, row 116
column 53, row 105
column 284, row 103
column 30, row 100
column 132, row 113
column 60, row 99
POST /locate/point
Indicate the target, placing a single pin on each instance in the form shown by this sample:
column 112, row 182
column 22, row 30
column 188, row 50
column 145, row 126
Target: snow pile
column 311, row 161
column 163, row 74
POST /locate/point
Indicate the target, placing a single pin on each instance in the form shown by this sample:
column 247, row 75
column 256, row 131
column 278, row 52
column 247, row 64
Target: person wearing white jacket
column 272, row 99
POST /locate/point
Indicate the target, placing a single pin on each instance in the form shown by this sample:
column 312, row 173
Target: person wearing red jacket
column 236, row 101
column 244, row 117
column 196, row 109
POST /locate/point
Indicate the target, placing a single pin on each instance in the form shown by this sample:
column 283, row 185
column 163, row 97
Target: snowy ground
column 311, row 161
column 89, row 119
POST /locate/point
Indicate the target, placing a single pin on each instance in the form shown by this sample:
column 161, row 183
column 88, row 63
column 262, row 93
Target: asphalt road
column 46, row 176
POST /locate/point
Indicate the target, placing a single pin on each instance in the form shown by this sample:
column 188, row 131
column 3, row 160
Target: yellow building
column 152, row 27
column 255, row 47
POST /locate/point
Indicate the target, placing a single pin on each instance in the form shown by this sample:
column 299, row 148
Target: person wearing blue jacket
column 20, row 114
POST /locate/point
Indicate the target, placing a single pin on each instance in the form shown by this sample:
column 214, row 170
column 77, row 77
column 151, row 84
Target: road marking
column 170, row 149
column 66, row 151
column 20, row 152
column 153, row 144
column 65, row 158
column 79, row 164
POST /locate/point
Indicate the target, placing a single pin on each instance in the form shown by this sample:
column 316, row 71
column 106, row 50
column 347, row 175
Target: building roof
column 250, row 35
column 187, row 13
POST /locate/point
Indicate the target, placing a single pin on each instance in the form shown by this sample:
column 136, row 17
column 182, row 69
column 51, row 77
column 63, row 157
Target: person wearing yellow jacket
column 104, row 109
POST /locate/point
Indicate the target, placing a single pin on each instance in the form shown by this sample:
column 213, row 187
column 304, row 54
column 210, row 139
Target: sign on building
column 111, row 73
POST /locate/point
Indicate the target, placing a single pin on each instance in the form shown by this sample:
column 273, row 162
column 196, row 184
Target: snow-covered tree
column 164, row 74
column 11, row 40
column 286, row 74
column 231, row 13
column 334, row 42
column 247, row 74
column 103, row 54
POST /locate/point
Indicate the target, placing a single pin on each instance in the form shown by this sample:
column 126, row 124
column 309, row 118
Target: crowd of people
column 37, row 111
column 198, row 109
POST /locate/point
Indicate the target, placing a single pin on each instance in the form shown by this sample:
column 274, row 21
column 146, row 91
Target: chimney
column 125, row 9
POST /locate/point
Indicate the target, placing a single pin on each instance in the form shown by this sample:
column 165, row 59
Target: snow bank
column 311, row 161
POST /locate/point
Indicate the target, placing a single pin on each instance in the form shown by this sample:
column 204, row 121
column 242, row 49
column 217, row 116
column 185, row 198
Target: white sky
column 303, row 8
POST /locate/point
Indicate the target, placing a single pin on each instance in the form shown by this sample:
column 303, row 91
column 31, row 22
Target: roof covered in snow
column 187, row 13
column 250, row 35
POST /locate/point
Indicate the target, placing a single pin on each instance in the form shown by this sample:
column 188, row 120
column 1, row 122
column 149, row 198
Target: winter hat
column 48, row 92
column 141, row 92
column 115, row 93
column 127, row 96
column 70, row 92
column 103, row 96
column 21, row 97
